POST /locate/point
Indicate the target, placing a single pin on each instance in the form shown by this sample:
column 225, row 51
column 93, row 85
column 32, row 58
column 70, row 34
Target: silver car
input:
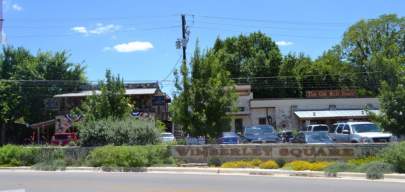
column 167, row 137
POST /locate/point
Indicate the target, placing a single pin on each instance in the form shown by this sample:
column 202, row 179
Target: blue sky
column 136, row 39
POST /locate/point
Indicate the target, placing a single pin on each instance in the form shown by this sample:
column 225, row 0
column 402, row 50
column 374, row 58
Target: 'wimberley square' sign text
column 201, row 153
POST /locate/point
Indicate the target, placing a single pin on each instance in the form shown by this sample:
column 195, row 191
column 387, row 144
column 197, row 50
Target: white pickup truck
column 359, row 132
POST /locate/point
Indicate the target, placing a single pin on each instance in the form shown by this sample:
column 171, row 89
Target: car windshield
column 319, row 137
column 259, row 129
column 321, row 128
column 166, row 135
column 362, row 128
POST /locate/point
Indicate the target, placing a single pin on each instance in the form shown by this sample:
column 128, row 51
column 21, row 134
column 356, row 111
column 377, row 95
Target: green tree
column 27, row 79
column 392, row 107
column 376, row 50
column 110, row 102
column 210, row 96
column 291, row 74
column 249, row 58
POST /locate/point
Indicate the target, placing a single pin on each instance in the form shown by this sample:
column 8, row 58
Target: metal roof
column 140, row 91
column 334, row 113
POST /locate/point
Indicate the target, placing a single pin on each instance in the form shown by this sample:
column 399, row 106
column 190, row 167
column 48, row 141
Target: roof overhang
column 334, row 114
column 140, row 91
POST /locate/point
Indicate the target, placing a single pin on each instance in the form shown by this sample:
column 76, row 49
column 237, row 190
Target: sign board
column 331, row 93
column 158, row 100
column 312, row 152
column 51, row 104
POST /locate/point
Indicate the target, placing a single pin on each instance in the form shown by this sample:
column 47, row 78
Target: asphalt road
column 156, row 182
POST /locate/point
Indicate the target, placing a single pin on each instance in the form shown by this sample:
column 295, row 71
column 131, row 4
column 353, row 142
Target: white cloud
column 132, row 46
column 284, row 43
column 16, row 7
column 96, row 30
column 80, row 29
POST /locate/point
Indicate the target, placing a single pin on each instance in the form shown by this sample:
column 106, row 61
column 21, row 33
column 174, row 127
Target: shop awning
column 333, row 114
column 139, row 91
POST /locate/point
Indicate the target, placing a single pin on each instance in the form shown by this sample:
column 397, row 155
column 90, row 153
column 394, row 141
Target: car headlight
column 366, row 140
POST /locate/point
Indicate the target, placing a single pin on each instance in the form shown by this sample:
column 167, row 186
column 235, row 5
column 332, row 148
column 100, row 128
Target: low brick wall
column 202, row 153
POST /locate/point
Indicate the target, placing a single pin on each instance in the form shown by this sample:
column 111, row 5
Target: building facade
column 148, row 100
column 295, row 113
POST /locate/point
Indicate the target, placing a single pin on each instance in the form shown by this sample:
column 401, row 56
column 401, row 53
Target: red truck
column 63, row 138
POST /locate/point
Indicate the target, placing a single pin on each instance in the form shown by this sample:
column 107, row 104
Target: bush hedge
column 129, row 156
column 339, row 167
column 270, row 164
column 395, row 155
column 363, row 160
column 12, row 155
column 127, row 131
column 306, row 165
column 238, row 164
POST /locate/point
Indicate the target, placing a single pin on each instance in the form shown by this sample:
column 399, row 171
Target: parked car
column 317, row 137
column 360, row 132
column 167, row 137
column 63, row 138
column 261, row 134
column 229, row 138
column 317, row 127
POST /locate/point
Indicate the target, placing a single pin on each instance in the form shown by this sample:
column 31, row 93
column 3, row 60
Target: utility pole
column 181, row 43
column 1, row 22
column 184, row 36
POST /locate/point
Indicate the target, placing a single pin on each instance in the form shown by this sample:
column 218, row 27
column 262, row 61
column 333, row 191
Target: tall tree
column 210, row 96
column 28, row 79
column 249, row 59
column 392, row 117
column 111, row 102
column 375, row 48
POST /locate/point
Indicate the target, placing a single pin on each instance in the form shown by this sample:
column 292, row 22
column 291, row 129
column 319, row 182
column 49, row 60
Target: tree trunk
column 3, row 134
column 3, row 129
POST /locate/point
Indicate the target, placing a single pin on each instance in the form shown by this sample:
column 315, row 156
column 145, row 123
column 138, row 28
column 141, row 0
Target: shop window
column 262, row 121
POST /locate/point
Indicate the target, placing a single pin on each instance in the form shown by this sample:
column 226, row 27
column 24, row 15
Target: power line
column 173, row 69
column 274, row 34
column 265, row 26
column 271, row 21
column 75, row 34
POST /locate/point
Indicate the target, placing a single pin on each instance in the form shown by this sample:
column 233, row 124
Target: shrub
column 395, row 155
column 127, row 131
column 339, row 167
column 237, row 164
column 214, row 162
column 385, row 167
column 270, row 164
column 320, row 165
column 12, row 155
column 298, row 165
column 305, row 165
column 280, row 162
column 256, row 162
column 376, row 170
column 53, row 165
column 363, row 160
column 129, row 156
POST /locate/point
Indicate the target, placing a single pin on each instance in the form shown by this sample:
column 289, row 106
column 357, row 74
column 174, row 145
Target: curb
column 243, row 171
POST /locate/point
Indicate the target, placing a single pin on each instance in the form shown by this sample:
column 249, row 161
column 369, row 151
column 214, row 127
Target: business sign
column 202, row 153
column 331, row 93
